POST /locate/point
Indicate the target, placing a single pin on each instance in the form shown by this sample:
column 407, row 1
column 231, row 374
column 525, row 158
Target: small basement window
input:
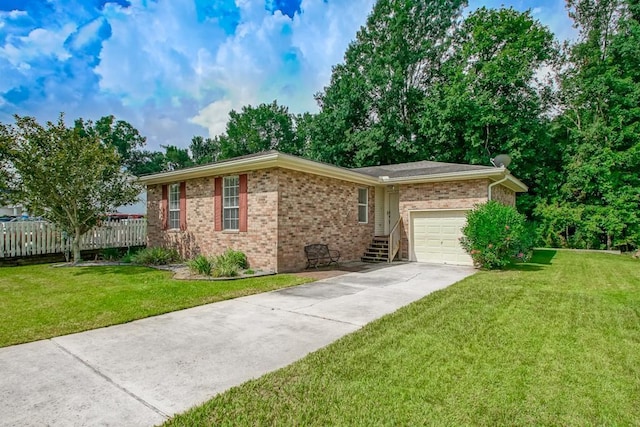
column 363, row 205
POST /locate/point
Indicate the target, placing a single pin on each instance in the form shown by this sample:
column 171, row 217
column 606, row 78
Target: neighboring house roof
column 403, row 173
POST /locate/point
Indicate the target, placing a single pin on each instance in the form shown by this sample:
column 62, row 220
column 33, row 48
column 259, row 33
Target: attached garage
column 435, row 237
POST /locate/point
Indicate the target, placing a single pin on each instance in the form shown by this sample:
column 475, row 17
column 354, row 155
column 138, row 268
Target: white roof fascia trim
column 515, row 184
column 310, row 166
column 512, row 182
column 208, row 170
column 272, row 160
column 269, row 160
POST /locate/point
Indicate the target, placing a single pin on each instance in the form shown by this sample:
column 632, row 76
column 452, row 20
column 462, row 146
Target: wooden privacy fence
column 25, row 238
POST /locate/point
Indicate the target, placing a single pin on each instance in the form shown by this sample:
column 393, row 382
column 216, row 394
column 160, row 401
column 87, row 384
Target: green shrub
column 228, row 264
column 224, row 267
column 495, row 235
column 201, row 265
column 249, row 271
column 111, row 254
column 237, row 257
column 128, row 256
column 156, row 256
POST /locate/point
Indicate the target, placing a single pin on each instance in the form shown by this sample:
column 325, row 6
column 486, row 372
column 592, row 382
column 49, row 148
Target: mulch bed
column 180, row 271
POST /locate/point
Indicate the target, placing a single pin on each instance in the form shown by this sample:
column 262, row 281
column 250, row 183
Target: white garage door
column 435, row 237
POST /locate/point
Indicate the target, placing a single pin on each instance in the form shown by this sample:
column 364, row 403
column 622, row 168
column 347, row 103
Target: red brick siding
column 315, row 209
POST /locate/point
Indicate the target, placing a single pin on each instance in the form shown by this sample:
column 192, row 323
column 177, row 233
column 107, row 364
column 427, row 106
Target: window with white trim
column 363, row 205
column 174, row 206
column 231, row 203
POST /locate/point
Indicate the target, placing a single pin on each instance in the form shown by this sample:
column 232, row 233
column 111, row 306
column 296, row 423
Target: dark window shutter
column 183, row 206
column 217, row 204
column 164, row 207
column 243, row 202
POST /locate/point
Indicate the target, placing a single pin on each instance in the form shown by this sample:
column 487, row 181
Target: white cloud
column 214, row 116
column 252, row 65
column 87, row 33
column 38, row 43
column 17, row 13
column 11, row 14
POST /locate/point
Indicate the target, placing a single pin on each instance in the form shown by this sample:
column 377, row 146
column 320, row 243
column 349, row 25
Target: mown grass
column 553, row 342
column 42, row 301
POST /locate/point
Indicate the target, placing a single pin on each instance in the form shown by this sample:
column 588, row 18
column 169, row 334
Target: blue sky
column 175, row 68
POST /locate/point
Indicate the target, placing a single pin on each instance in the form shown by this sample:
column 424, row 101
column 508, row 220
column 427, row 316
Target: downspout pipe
column 506, row 176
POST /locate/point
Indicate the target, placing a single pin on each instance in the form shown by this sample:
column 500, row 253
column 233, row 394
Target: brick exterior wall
column 259, row 243
column 288, row 210
column 446, row 195
column 502, row 194
column 315, row 209
column 437, row 195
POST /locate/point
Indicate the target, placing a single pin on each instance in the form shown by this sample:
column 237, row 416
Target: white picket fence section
column 25, row 238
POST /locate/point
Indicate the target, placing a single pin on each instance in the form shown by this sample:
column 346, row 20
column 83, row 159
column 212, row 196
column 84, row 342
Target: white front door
column 435, row 237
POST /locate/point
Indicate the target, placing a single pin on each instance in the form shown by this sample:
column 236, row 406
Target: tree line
column 423, row 80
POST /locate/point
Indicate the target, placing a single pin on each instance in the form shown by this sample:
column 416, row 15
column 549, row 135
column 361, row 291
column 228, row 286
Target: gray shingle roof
column 423, row 168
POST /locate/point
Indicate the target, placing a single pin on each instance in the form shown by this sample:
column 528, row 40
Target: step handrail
column 394, row 240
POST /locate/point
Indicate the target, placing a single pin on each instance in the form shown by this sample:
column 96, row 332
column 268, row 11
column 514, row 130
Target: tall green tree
column 147, row 162
column 601, row 117
column 176, row 158
column 128, row 142
column 65, row 175
column 117, row 133
column 262, row 128
column 204, row 150
column 369, row 110
column 488, row 99
column 306, row 132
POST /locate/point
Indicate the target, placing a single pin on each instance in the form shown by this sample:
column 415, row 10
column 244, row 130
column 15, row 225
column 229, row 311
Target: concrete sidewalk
column 141, row 373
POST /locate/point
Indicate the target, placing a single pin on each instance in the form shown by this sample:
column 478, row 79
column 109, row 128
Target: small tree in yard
column 4, row 169
column 66, row 175
column 496, row 234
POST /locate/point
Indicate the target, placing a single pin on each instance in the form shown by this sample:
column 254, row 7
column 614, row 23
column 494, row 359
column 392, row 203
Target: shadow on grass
column 121, row 270
column 543, row 256
column 540, row 259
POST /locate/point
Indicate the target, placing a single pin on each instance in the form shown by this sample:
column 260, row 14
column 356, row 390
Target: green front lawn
column 41, row 301
column 553, row 342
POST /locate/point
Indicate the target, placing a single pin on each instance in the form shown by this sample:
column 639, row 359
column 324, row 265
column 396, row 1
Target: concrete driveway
column 140, row 373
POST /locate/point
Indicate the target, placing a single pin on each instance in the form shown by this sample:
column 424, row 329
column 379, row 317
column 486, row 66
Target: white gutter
column 482, row 173
column 205, row 170
column 493, row 184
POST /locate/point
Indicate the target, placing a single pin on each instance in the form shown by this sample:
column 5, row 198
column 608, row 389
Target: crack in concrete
column 323, row 318
column 305, row 314
column 411, row 278
column 110, row 381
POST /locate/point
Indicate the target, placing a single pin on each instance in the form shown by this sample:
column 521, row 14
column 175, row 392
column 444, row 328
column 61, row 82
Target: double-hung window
column 231, row 203
column 174, row 206
column 363, row 205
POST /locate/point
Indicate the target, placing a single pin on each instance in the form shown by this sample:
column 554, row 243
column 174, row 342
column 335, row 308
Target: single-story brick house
column 270, row 205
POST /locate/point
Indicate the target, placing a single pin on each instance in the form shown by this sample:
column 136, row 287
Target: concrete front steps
column 378, row 250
